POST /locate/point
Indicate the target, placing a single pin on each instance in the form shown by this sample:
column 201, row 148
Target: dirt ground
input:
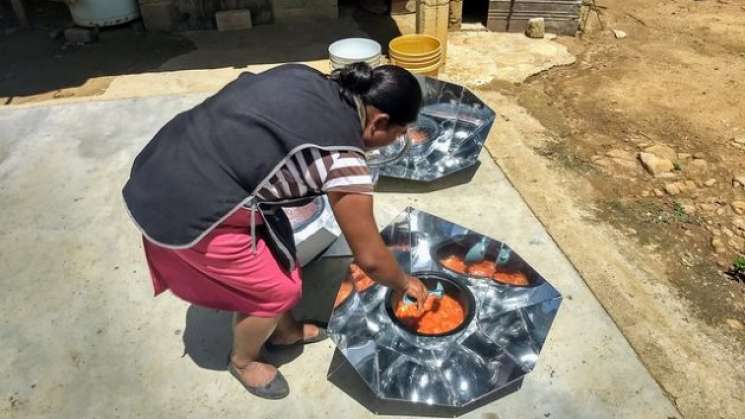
column 675, row 80
column 673, row 87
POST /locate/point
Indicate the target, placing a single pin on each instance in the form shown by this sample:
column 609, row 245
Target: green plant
column 679, row 212
column 738, row 265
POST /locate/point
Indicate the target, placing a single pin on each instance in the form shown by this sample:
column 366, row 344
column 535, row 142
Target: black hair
column 391, row 89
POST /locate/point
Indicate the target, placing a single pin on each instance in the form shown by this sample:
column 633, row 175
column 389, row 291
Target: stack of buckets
column 353, row 50
column 420, row 54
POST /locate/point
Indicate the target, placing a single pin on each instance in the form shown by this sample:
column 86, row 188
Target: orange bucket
column 418, row 53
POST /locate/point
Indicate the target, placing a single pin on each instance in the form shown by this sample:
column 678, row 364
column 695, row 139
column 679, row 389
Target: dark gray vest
column 209, row 161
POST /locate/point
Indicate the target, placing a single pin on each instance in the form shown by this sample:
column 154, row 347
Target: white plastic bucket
column 341, row 64
column 352, row 50
column 93, row 13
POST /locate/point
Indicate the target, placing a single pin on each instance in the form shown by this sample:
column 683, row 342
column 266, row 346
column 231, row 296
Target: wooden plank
column 20, row 11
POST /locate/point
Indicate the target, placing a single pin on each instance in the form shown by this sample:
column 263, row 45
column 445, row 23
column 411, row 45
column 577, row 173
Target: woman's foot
column 255, row 374
column 300, row 332
column 260, row 379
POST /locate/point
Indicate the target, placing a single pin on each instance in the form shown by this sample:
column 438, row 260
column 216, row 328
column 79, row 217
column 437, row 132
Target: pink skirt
column 221, row 271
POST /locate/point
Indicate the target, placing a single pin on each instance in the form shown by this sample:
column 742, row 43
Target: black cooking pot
column 452, row 287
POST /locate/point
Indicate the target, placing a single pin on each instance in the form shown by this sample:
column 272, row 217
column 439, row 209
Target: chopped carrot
column 454, row 263
column 483, row 268
column 344, row 290
column 439, row 315
column 516, row 278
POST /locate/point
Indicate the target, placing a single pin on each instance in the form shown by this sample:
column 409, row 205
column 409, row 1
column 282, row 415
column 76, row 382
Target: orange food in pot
column 359, row 278
column 344, row 291
column 483, row 268
column 516, row 278
column 417, row 136
column 439, row 315
column 454, row 263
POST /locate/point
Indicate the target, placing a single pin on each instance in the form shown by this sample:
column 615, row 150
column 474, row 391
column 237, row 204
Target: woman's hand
column 416, row 290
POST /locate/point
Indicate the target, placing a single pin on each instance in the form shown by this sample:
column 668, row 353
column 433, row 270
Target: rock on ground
column 739, row 222
column 620, row 154
column 718, row 245
column 673, row 188
column 697, row 167
column 654, row 165
column 662, row 151
column 738, row 207
column 536, row 28
column 736, row 324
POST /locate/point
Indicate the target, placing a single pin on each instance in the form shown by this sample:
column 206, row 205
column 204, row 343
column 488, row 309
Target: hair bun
column 356, row 78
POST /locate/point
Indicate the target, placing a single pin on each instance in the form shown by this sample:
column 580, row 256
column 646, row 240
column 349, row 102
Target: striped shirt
column 313, row 171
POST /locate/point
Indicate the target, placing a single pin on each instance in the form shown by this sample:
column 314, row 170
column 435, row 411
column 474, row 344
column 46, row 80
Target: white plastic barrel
column 93, row 13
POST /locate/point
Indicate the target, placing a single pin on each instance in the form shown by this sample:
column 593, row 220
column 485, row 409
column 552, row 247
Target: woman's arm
column 354, row 213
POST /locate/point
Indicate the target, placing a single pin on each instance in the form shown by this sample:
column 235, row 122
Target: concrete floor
column 83, row 337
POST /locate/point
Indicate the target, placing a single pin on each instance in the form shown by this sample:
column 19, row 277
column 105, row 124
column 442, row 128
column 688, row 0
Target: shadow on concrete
column 343, row 376
column 411, row 186
column 208, row 334
column 34, row 63
column 321, row 281
column 208, row 340
column 282, row 356
column 208, row 337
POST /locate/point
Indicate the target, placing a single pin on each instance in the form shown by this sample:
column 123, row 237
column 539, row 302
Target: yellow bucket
column 415, row 66
column 415, row 46
column 417, row 61
column 420, row 54
column 431, row 69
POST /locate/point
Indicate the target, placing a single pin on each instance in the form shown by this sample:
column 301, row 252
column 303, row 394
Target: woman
column 206, row 194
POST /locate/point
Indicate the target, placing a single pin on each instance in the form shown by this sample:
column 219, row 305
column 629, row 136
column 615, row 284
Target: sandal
column 322, row 335
column 273, row 390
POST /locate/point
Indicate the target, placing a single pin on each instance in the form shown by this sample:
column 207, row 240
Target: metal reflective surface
column 315, row 228
column 382, row 156
column 451, row 130
column 499, row 345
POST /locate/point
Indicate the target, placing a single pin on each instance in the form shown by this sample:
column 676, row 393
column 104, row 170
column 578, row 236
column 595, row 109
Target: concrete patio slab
column 82, row 336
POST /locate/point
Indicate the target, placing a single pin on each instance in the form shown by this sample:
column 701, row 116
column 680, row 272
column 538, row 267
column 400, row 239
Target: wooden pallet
column 562, row 16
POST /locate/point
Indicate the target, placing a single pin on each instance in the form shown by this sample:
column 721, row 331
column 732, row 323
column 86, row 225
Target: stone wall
column 176, row 15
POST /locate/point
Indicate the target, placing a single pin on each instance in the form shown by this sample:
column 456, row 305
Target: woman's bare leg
column 289, row 330
column 249, row 335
